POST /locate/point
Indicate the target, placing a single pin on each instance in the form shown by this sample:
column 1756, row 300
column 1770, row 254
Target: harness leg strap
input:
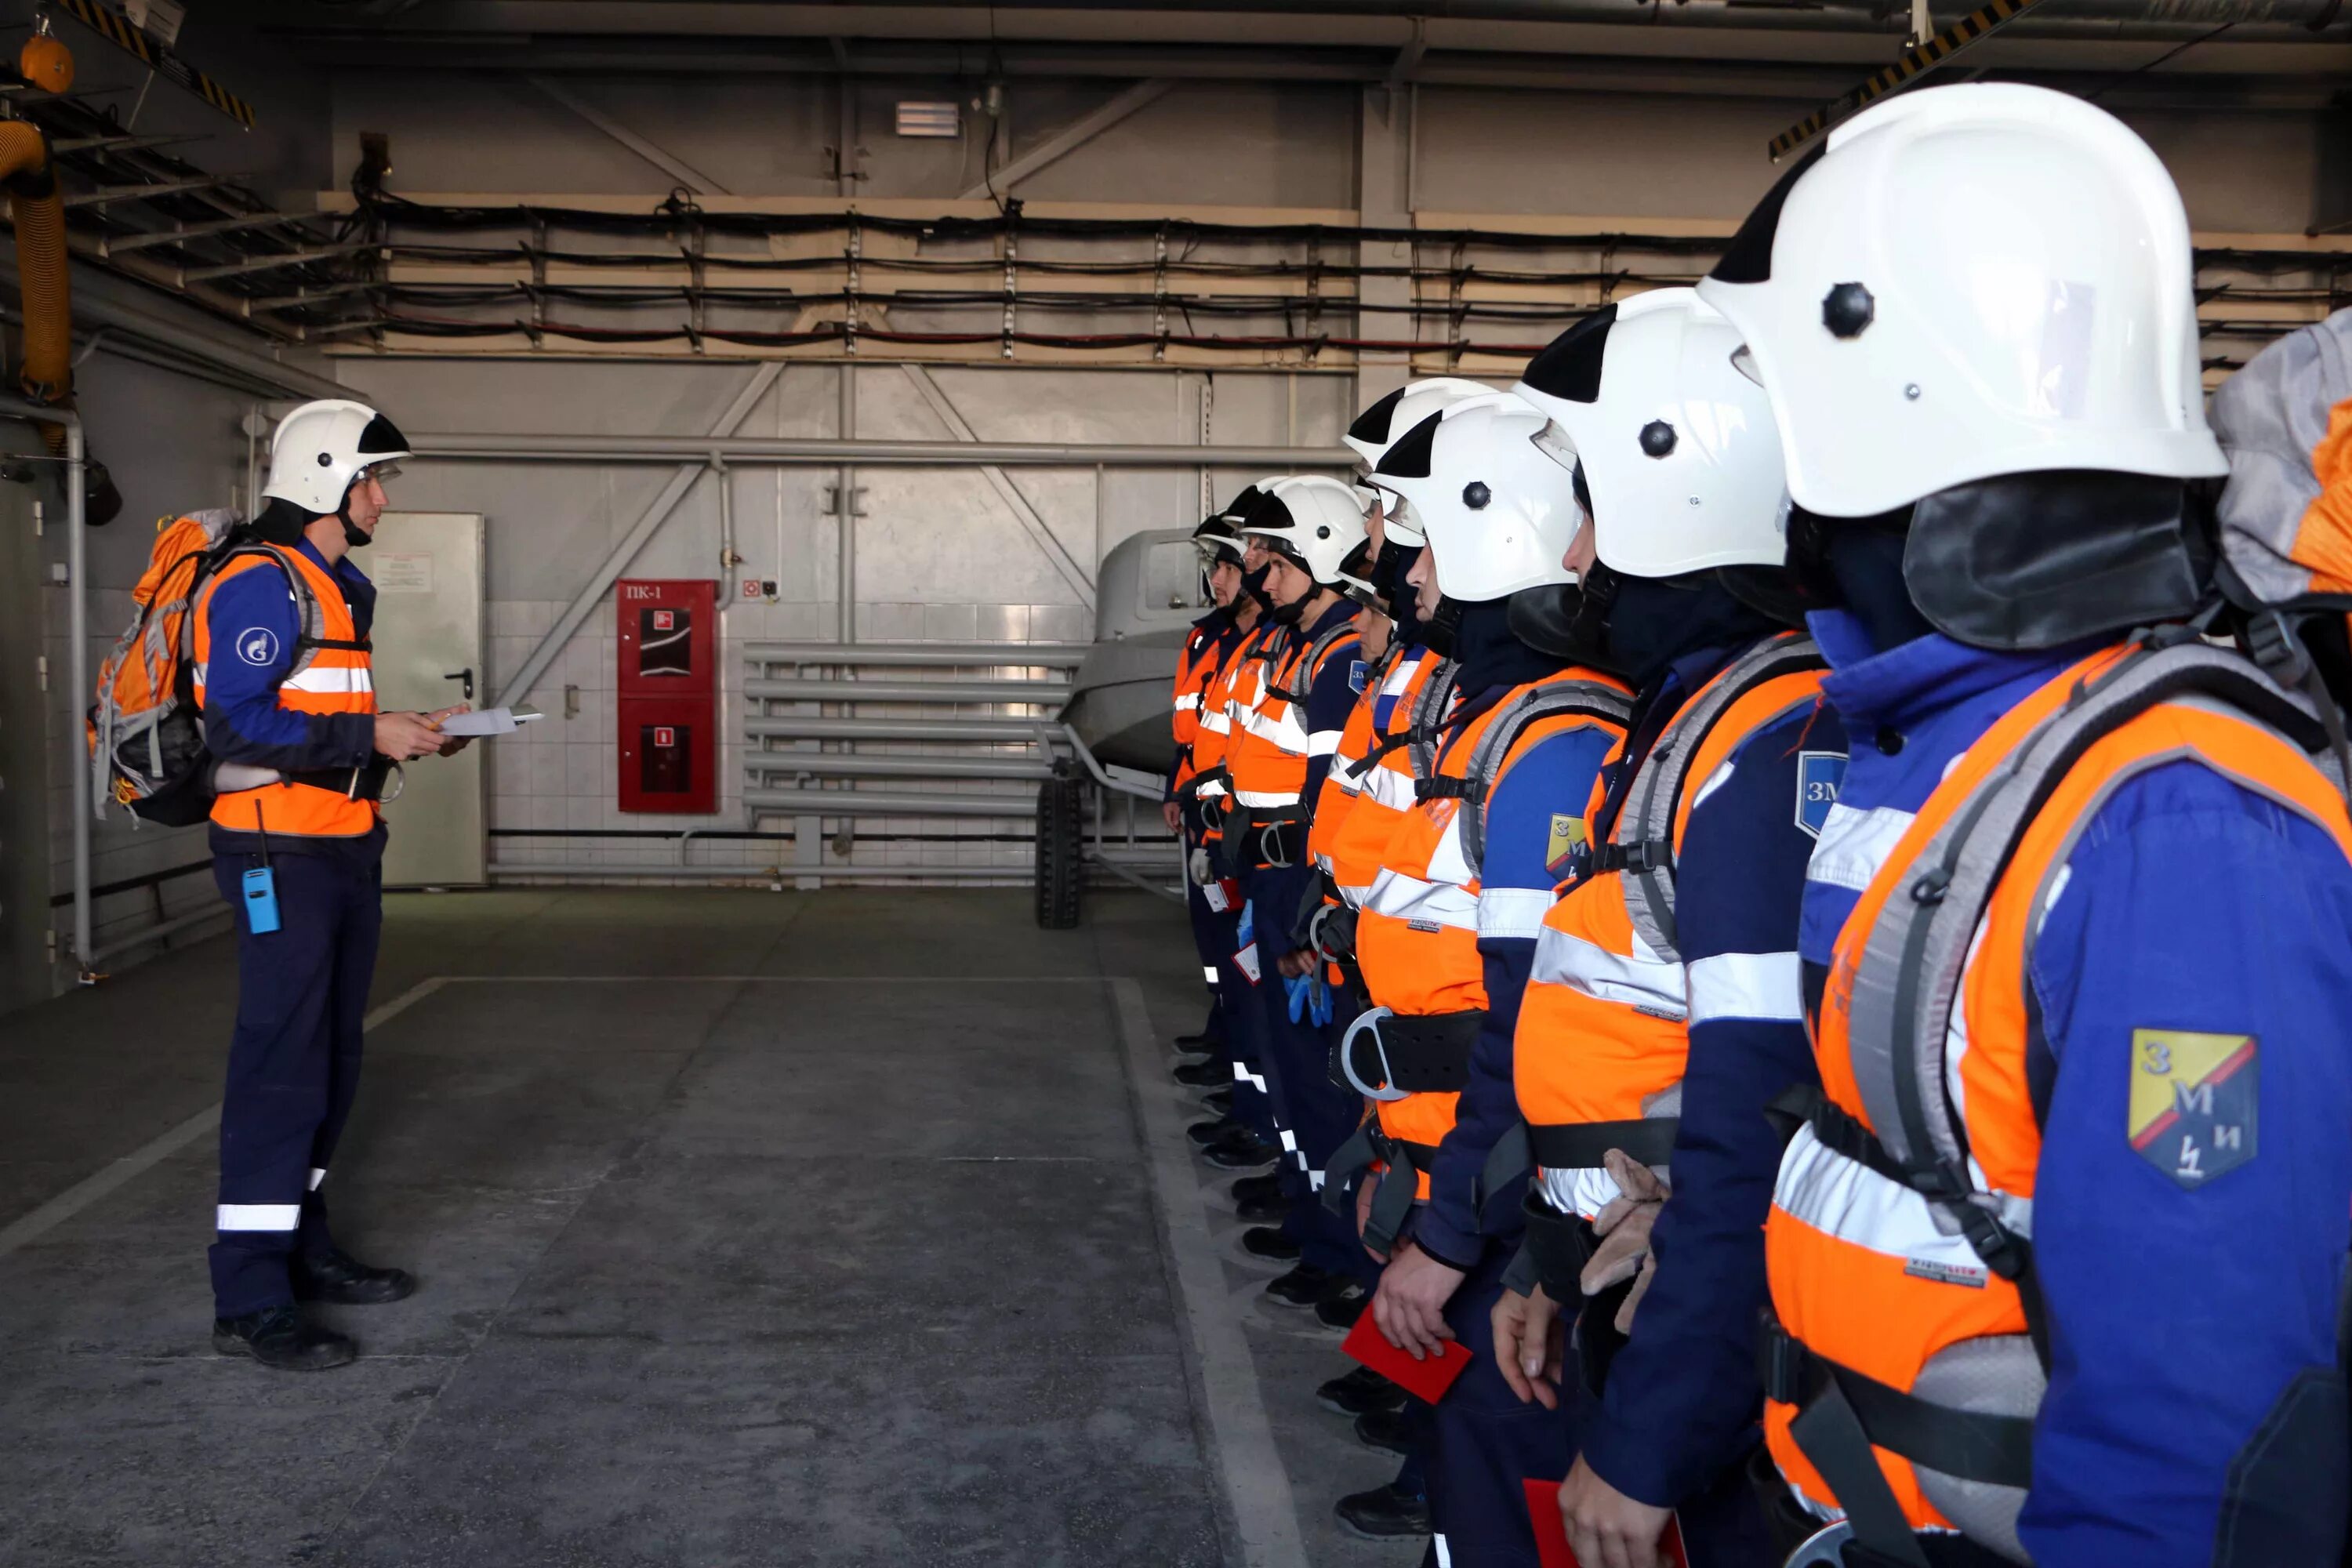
column 1507, row 1163
column 1392, row 1205
column 1830, row 1435
column 1349, row 1162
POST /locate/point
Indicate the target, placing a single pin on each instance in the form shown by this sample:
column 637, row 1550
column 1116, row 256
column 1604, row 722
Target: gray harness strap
column 1645, row 827
column 1545, row 699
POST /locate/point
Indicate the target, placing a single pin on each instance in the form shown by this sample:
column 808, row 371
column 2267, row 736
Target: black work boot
column 1214, row 1073
column 1358, row 1392
column 1263, row 1210
column 1240, row 1150
column 1220, row 1101
column 1384, row 1514
column 339, row 1278
column 1343, row 1303
column 280, row 1337
column 1205, row 1133
column 1199, row 1042
column 1268, row 1242
column 1299, row 1288
column 1387, row 1430
column 1258, row 1189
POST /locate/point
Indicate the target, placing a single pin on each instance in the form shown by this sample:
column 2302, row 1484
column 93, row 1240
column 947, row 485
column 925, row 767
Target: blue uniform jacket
column 1530, row 810
column 1683, row 1396
column 2179, row 1315
column 254, row 623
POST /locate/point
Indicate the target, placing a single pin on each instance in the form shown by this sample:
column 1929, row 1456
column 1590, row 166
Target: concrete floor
column 841, row 1227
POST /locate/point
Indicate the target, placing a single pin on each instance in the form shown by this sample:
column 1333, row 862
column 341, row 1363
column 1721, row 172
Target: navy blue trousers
column 1213, row 939
column 293, row 1066
column 1486, row 1445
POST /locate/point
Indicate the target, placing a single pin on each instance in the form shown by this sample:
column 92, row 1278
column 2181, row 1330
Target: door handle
column 468, row 677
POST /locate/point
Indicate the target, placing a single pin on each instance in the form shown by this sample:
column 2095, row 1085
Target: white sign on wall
column 402, row 573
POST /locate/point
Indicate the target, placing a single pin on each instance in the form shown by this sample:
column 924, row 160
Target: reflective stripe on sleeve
column 1513, row 912
column 1396, row 896
column 1765, row 986
column 1855, row 843
column 329, row 679
column 1323, row 743
column 1641, row 979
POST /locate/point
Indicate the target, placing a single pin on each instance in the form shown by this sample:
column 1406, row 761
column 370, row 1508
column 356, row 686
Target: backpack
column 145, row 730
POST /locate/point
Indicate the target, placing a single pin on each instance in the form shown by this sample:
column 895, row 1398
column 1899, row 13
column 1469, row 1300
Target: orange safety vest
column 1338, row 792
column 1420, row 688
column 1897, row 1263
column 324, row 679
column 1417, row 932
column 1197, row 665
column 1268, row 756
column 1602, row 1034
column 1234, row 690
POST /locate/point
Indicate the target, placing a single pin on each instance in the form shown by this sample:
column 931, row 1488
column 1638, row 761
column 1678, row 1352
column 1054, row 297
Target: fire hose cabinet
column 668, row 691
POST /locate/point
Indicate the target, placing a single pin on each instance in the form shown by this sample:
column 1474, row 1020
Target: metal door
column 26, row 708
column 427, row 567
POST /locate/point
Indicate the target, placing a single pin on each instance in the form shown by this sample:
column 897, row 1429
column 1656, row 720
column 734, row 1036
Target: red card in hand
column 1425, row 1380
column 1553, row 1549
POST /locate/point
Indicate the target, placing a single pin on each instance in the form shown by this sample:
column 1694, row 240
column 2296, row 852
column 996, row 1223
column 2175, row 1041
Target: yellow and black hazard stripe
column 155, row 54
column 1936, row 51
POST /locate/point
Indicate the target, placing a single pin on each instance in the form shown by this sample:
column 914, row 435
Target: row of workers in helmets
column 1784, row 884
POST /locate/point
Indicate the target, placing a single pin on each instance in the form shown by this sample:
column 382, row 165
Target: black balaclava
column 1634, row 627
column 1439, row 631
column 1492, row 654
column 1254, row 584
column 1863, row 563
column 281, row 523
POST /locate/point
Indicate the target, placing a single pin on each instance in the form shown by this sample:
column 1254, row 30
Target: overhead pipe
column 36, row 209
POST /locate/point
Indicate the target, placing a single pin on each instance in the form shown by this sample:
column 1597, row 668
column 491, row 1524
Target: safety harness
column 1906, row 984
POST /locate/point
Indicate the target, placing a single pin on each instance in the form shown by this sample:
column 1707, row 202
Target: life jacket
column 1602, row 1034
column 1416, row 690
column 1417, row 932
column 332, row 673
column 1905, row 1358
column 1197, row 665
column 1268, row 758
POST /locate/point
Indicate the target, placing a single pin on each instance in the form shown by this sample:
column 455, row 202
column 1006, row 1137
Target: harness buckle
column 1779, row 1361
column 1369, row 1022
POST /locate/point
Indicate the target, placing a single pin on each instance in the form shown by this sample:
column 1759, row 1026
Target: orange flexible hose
column 38, row 208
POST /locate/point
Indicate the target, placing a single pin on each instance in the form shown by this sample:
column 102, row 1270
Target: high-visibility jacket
column 1338, row 792
column 1405, row 708
column 2081, row 1093
column 1197, row 665
column 1236, row 689
column 325, row 671
column 1601, row 1033
column 1269, row 753
column 1417, row 932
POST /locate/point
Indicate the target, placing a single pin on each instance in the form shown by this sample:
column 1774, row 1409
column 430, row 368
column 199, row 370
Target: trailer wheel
column 1061, row 875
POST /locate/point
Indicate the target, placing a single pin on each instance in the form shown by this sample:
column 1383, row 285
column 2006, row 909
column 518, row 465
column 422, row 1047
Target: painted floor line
column 90, row 1189
column 1258, row 1486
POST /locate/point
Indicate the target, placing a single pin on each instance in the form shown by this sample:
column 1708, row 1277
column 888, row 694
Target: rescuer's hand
column 1410, row 1305
column 1606, row 1528
column 404, row 737
column 452, row 744
column 1173, row 815
column 1530, row 1345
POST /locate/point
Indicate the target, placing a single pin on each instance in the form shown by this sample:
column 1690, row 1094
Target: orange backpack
column 145, row 732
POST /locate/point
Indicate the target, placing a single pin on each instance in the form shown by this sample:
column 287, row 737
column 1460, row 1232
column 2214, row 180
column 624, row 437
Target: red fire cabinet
column 669, row 695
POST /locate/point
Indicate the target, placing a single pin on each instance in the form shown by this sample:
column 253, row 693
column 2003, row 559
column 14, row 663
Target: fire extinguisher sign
column 665, row 737
column 665, row 620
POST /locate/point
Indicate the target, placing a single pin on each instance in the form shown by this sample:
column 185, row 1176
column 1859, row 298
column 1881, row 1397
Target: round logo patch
column 258, row 645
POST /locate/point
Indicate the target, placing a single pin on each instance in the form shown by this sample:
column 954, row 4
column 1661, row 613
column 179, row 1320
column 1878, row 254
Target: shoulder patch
column 1358, row 673
column 2191, row 1113
column 1819, row 774
column 1566, row 838
column 258, row 645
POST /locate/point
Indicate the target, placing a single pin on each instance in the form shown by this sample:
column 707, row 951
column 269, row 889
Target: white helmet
column 1312, row 518
column 320, row 447
column 1493, row 482
column 1382, row 425
column 1969, row 281
column 1682, row 464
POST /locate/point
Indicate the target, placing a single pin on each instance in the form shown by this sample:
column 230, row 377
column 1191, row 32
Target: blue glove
column 1318, row 997
column 1248, row 928
column 1297, row 987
